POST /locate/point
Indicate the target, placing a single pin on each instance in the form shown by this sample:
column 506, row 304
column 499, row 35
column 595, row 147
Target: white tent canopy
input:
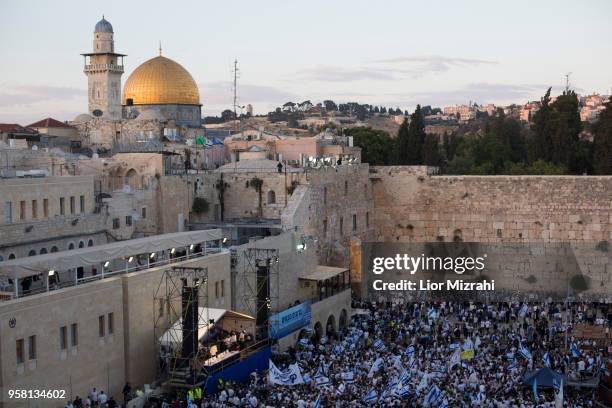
column 23, row 267
column 173, row 336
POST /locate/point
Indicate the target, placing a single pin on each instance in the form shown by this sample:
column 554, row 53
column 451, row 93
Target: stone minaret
column 104, row 68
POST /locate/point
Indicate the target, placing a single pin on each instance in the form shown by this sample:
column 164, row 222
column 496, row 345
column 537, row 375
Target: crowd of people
column 439, row 354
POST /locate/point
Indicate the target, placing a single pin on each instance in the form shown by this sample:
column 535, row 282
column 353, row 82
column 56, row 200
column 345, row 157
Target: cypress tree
column 602, row 155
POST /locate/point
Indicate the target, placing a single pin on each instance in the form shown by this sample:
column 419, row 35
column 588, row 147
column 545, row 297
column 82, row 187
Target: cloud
column 419, row 65
column 23, row 95
column 479, row 92
column 342, row 74
column 220, row 93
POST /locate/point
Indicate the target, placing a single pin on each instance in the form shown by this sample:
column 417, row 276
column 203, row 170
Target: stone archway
column 343, row 320
column 318, row 331
column 132, row 179
column 330, row 326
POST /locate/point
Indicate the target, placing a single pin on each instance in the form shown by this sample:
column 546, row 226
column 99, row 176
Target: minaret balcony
column 103, row 67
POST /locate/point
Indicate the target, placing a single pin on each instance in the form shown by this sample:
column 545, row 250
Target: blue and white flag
column 370, row 396
column 393, row 383
column 468, row 345
column 379, row 345
column 444, row 403
column 290, row 376
column 403, row 391
column 378, row 364
column 454, row 346
column 524, row 351
column 304, row 342
column 546, row 359
column 513, row 365
column 317, row 403
column 321, row 381
column 409, row 350
column 404, row 377
column 431, row 313
column 432, row 396
column 454, row 360
column 574, row 350
column 348, row 377
column 321, row 371
column 524, row 310
column 397, row 362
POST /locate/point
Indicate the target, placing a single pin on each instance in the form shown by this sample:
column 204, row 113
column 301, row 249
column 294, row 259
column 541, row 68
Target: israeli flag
column 375, row 367
column 317, row 403
column 546, row 359
column 524, row 310
column 370, row 396
column 348, row 377
column 454, row 346
column 379, row 345
column 321, row 381
column 444, row 403
column 431, row 313
column 574, row 350
column 322, row 371
column 403, row 391
column 410, row 350
column 468, row 345
column 454, row 360
column 404, row 377
column 524, row 351
column 393, row 383
column 304, row 342
column 432, row 396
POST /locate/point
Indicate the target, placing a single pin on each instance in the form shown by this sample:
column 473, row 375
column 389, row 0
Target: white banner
column 290, row 376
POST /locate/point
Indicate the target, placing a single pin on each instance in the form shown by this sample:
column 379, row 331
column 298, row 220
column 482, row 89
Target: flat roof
column 324, row 272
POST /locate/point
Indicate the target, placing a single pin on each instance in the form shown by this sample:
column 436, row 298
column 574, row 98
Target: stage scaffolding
column 180, row 314
column 258, row 286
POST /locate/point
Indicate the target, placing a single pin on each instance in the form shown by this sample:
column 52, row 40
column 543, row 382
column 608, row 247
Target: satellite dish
column 97, row 113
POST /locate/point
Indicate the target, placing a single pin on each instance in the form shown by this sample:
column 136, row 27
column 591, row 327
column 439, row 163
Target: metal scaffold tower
column 258, row 283
column 180, row 316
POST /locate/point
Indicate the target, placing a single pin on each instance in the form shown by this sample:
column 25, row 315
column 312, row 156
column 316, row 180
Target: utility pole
column 235, row 89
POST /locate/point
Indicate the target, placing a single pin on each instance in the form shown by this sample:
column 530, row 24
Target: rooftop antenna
column 160, row 48
column 567, row 82
column 235, row 72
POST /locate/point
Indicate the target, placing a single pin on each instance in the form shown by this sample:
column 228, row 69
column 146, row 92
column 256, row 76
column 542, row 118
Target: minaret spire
column 160, row 48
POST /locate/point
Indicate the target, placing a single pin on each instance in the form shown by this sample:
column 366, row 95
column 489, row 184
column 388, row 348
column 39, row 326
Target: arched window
column 71, row 245
column 53, row 249
column 32, row 252
column 81, row 244
column 43, row 251
column 131, row 179
column 90, row 243
column 11, row 256
column 271, row 197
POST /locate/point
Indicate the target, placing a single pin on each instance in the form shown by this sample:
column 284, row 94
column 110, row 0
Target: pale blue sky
column 396, row 53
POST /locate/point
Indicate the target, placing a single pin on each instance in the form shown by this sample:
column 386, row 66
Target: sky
column 392, row 53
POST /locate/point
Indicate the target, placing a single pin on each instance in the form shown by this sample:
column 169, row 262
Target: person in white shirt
column 94, row 396
column 102, row 398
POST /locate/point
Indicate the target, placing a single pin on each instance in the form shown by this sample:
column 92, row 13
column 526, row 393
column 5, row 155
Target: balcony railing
column 104, row 67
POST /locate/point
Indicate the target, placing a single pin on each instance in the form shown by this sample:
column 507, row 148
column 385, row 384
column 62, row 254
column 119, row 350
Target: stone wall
column 411, row 206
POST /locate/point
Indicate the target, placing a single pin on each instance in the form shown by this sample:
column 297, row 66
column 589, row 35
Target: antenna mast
column 235, row 88
column 567, row 82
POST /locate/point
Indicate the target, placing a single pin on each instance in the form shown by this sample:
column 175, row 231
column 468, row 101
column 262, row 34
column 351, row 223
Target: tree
column 330, row 106
column 542, row 127
column 416, row 138
column 566, row 128
column 402, row 144
column 376, row 145
column 430, row 153
column 227, row 115
column 602, row 143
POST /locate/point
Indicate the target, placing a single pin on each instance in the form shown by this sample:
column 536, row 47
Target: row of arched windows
column 53, row 249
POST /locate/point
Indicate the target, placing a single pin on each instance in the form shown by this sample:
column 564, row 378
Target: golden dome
column 161, row 81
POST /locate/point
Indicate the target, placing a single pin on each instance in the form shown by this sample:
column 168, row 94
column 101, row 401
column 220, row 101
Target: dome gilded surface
column 161, row 81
